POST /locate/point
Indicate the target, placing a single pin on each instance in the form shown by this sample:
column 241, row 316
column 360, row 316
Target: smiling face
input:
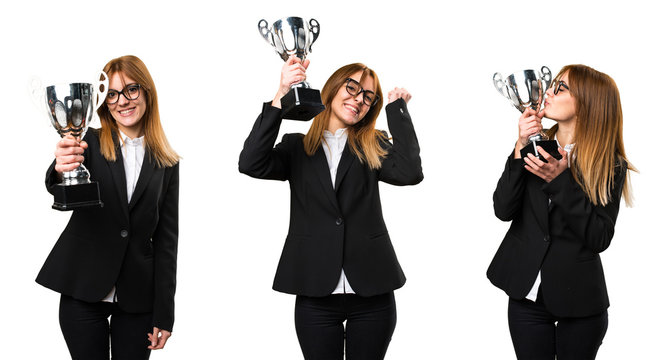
column 346, row 109
column 127, row 113
column 560, row 107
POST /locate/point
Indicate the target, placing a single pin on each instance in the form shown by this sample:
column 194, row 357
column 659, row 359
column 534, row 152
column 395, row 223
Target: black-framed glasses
column 130, row 92
column 558, row 86
column 354, row 88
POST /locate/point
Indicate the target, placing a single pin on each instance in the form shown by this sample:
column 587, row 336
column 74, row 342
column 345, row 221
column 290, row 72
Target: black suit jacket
column 132, row 246
column 334, row 229
column 563, row 242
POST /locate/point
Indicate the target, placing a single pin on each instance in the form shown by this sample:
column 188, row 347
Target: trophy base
column 301, row 103
column 549, row 145
column 76, row 196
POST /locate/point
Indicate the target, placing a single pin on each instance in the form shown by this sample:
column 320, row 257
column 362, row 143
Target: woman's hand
column 546, row 170
column 69, row 154
column 529, row 124
column 158, row 338
column 293, row 72
column 398, row 93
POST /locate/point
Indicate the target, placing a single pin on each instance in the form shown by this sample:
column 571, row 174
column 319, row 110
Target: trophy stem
column 80, row 175
column 536, row 137
column 534, row 141
column 302, row 84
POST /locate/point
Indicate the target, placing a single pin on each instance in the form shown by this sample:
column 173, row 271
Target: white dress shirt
column 333, row 145
column 532, row 295
column 133, row 152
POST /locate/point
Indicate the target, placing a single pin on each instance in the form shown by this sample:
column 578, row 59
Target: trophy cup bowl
column 293, row 36
column 526, row 89
column 71, row 108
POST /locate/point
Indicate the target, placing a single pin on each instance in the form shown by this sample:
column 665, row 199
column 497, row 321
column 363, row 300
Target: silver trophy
column 527, row 89
column 71, row 108
column 293, row 36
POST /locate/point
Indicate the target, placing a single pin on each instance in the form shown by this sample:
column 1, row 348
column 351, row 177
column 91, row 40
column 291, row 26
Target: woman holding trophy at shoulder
column 338, row 258
column 119, row 260
column 562, row 215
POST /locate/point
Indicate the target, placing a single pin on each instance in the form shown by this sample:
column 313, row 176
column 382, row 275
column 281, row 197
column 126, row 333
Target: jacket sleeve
column 402, row 164
column 52, row 178
column 595, row 224
column 259, row 159
column 508, row 195
column 165, row 245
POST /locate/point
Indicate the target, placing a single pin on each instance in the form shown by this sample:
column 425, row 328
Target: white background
column 212, row 70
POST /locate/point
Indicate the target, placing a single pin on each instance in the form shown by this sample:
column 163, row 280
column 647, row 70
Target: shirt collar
column 124, row 139
column 567, row 148
column 338, row 133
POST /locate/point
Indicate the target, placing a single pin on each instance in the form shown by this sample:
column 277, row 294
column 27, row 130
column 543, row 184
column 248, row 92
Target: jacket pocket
column 378, row 236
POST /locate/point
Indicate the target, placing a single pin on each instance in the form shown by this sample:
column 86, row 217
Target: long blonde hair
column 364, row 140
column 155, row 139
column 598, row 133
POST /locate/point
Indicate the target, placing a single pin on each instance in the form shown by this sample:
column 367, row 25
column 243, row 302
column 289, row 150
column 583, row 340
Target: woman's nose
column 359, row 97
column 550, row 92
column 122, row 99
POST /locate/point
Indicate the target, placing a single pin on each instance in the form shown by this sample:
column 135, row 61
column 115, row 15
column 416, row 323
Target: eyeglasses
column 557, row 87
column 130, row 92
column 354, row 88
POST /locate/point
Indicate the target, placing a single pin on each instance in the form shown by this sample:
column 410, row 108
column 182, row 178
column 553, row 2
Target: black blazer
column 334, row 229
column 130, row 246
column 563, row 242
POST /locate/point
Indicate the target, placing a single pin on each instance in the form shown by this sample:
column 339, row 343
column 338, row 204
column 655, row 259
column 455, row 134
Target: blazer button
column 546, row 238
column 124, row 233
column 338, row 221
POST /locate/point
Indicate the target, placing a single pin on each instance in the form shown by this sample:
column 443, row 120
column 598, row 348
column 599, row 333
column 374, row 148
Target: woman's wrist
column 276, row 100
column 516, row 151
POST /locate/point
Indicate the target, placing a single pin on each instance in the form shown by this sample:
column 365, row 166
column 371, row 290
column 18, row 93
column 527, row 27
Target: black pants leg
column 86, row 328
column 370, row 327
column 570, row 331
column 319, row 327
column 129, row 335
column 321, row 333
column 87, row 331
column 537, row 334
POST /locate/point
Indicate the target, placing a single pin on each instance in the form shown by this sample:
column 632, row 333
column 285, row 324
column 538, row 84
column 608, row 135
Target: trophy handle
column 265, row 32
column 101, row 88
column 500, row 85
column 314, row 30
column 546, row 76
column 37, row 94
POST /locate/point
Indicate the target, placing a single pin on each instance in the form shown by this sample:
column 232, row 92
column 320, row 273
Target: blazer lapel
column 147, row 171
column 320, row 164
column 345, row 162
column 119, row 180
column 539, row 202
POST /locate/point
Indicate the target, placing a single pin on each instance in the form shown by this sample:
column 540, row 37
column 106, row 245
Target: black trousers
column 322, row 335
column 87, row 330
column 537, row 334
